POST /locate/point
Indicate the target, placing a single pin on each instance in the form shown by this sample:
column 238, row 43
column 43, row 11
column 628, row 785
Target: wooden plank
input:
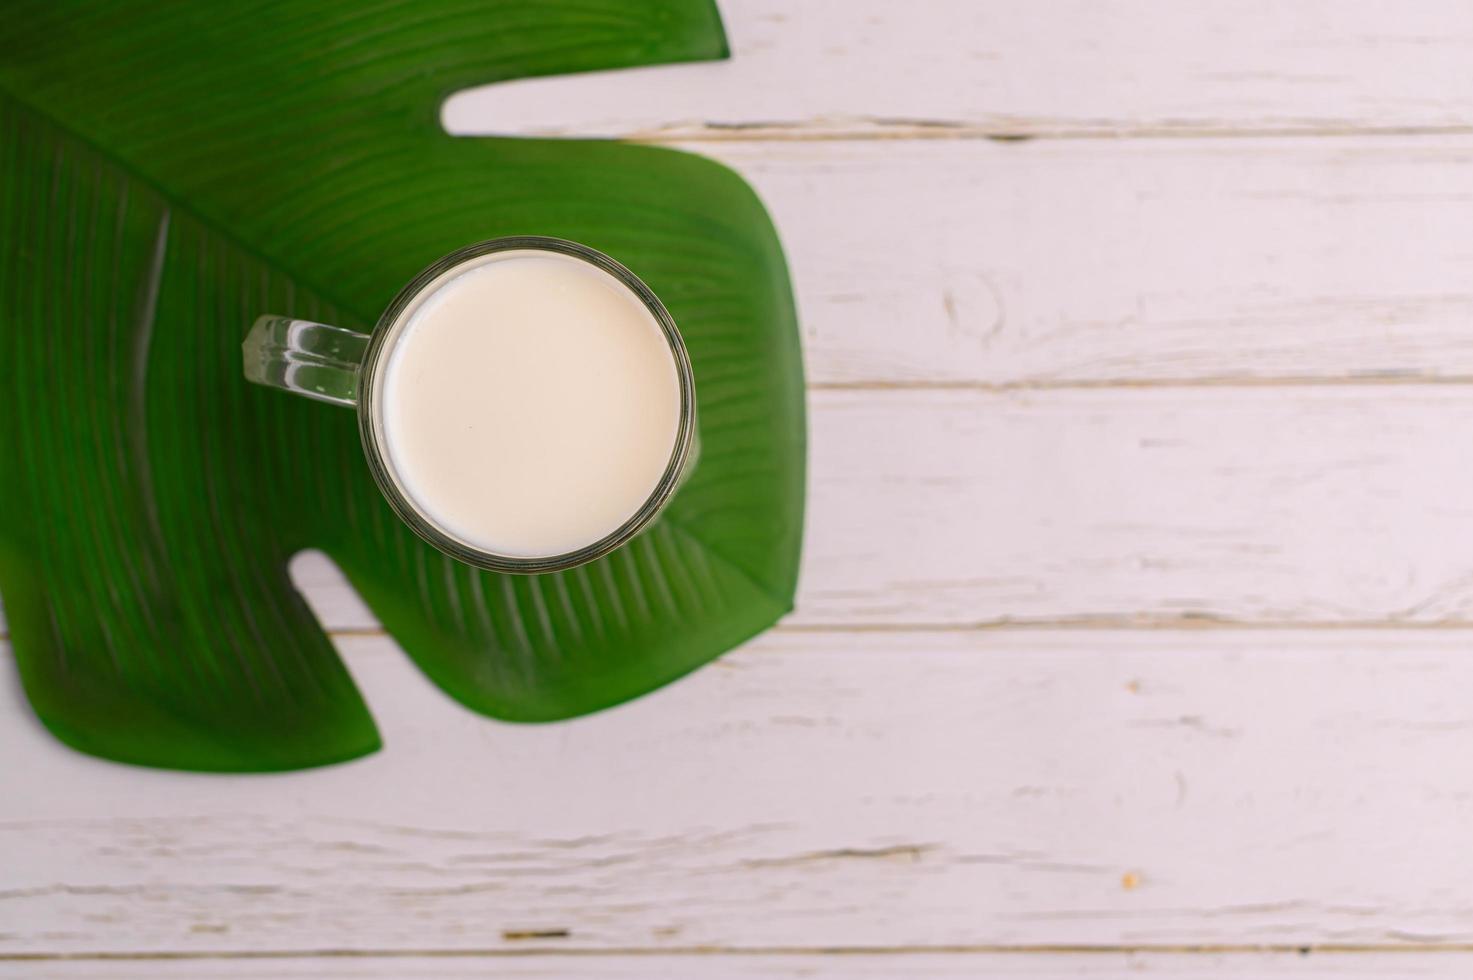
column 809, row 792
column 1303, row 505
column 921, row 966
column 1062, row 67
column 1049, row 264
column 1146, row 506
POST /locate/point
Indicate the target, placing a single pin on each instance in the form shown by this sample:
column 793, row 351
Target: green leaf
column 167, row 172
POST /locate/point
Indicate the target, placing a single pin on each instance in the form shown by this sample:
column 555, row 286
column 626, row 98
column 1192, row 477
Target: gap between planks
column 1035, row 949
column 1115, row 624
column 1083, row 624
column 817, row 131
column 1397, row 379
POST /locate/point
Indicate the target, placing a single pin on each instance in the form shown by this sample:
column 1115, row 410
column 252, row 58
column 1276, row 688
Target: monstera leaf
column 168, row 171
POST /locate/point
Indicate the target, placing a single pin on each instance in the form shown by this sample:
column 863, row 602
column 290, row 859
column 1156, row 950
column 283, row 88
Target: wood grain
column 1170, row 261
column 808, row 792
column 1305, row 505
column 779, row 966
column 871, row 68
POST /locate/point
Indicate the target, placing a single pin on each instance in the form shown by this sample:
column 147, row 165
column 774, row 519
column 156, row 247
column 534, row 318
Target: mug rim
column 419, row 521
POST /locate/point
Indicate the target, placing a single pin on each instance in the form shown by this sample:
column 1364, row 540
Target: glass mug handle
column 311, row 359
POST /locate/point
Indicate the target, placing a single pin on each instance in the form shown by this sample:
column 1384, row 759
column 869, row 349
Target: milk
column 530, row 403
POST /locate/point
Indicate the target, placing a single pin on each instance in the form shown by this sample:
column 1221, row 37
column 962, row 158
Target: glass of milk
column 526, row 404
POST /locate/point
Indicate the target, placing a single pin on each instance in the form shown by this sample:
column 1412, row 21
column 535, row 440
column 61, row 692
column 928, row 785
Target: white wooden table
column 1135, row 623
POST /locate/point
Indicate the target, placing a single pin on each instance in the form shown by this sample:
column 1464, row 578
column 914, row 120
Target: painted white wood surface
column 1125, row 506
column 920, row 966
column 1104, row 67
column 812, row 791
column 1069, row 382
column 1088, row 262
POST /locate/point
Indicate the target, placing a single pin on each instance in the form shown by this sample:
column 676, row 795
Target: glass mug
column 344, row 367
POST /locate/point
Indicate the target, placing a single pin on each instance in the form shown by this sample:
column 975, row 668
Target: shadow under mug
column 344, row 367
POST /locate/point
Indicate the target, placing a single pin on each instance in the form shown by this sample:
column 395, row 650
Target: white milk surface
column 530, row 403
